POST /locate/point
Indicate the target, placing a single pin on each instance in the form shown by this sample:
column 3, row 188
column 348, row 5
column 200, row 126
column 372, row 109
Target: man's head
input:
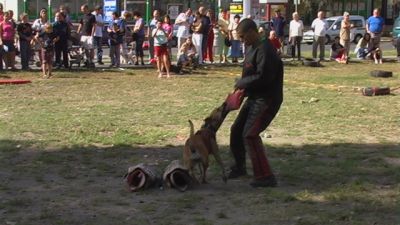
column 98, row 9
column 321, row 14
column 156, row 13
column 376, row 12
column 236, row 18
column 277, row 12
column 224, row 13
column 295, row 16
column 24, row 17
column 202, row 10
column 85, row 9
column 248, row 32
column 272, row 34
column 60, row 16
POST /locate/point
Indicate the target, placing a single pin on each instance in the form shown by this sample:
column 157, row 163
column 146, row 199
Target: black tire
column 311, row 63
column 381, row 73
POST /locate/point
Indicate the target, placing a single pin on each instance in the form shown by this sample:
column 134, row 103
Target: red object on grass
column 14, row 81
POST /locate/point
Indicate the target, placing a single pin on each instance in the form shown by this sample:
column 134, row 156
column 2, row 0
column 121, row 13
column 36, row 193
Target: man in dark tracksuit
column 206, row 26
column 262, row 80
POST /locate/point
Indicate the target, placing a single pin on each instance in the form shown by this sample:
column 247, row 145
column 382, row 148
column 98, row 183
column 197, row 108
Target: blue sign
column 109, row 7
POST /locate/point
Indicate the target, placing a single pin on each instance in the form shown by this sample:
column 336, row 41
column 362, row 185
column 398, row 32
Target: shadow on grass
column 340, row 174
column 319, row 166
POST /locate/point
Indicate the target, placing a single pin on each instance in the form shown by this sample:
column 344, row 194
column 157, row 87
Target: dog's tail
column 191, row 128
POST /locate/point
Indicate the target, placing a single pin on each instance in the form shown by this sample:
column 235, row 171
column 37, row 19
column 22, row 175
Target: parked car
column 396, row 32
column 334, row 25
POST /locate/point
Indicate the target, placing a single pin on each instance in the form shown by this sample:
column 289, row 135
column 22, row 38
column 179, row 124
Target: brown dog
column 201, row 144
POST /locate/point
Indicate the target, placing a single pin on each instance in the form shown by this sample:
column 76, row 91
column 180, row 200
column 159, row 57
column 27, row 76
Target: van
column 334, row 24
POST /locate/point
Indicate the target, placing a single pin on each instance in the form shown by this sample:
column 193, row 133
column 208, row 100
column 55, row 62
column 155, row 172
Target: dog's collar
column 210, row 127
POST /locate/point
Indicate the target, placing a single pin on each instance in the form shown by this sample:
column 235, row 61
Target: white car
column 334, row 24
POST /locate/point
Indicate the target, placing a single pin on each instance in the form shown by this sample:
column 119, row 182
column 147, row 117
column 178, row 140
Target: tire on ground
column 311, row 62
column 381, row 73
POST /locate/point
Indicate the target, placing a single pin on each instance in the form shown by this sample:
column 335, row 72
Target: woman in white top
column 38, row 26
column 183, row 26
column 296, row 29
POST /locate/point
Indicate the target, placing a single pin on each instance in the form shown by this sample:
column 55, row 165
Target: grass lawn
column 66, row 142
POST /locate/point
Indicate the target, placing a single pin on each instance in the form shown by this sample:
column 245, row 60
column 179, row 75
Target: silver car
column 334, row 24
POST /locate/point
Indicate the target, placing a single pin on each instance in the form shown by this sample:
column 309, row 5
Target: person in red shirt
column 275, row 42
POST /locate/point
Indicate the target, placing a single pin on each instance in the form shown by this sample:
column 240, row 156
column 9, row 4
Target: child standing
column 161, row 48
column 47, row 40
column 115, row 36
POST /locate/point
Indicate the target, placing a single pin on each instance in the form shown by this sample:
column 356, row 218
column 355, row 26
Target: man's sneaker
column 236, row 172
column 100, row 63
column 266, row 182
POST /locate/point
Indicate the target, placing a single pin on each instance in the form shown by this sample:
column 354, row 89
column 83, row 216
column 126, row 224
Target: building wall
column 15, row 5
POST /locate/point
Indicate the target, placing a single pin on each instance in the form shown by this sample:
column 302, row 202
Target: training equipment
column 177, row 176
column 381, row 73
column 372, row 91
column 14, row 81
column 141, row 176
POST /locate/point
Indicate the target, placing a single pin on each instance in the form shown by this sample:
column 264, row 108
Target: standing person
column 234, row 38
column 47, row 40
column 169, row 29
column 114, row 36
column 223, row 24
column 209, row 54
column 139, row 31
column 64, row 9
column 182, row 21
column 152, row 26
column 296, row 29
column 25, row 34
column 262, row 82
column 160, row 49
column 7, row 37
column 345, row 34
column 62, row 30
column 205, row 29
column 278, row 25
column 374, row 27
column 98, row 34
column 319, row 26
column 38, row 27
column 197, row 36
column 87, row 25
column 126, row 33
